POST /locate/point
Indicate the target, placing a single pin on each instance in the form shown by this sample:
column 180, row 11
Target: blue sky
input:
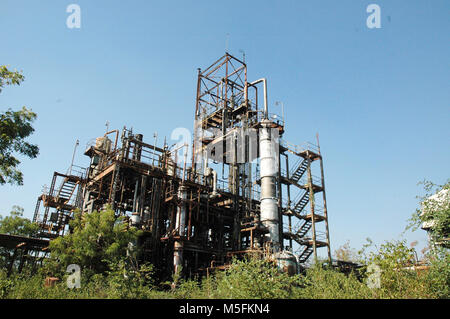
column 379, row 98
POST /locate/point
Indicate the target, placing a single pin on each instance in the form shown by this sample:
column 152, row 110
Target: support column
column 312, row 204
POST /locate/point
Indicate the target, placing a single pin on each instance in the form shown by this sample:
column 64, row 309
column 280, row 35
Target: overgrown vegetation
column 434, row 210
column 252, row 279
column 100, row 244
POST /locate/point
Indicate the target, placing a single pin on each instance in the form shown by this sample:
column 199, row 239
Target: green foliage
column 435, row 208
column 129, row 282
column 438, row 275
column 15, row 127
column 8, row 77
column 249, row 279
column 98, row 240
column 398, row 277
column 6, row 284
column 245, row 279
column 326, row 283
column 15, row 224
column 254, row 278
column 101, row 245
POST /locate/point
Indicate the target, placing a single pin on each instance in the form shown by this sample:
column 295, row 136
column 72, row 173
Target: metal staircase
column 63, row 199
column 299, row 170
column 305, row 227
column 66, row 190
column 302, row 202
column 306, row 252
column 301, row 232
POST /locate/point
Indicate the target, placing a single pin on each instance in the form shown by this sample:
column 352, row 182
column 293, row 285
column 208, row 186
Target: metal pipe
column 213, row 173
column 179, row 226
column 266, row 108
column 117, row 136
column 135, row 198
column 73, row 157
column 185, row 162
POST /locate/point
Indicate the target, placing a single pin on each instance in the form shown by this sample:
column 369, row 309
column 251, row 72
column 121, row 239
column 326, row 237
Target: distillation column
column 180, row 224
column 268, row 173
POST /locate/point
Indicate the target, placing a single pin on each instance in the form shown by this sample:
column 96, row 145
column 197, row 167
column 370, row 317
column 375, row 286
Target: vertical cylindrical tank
column 268, row 173
column 180, row 224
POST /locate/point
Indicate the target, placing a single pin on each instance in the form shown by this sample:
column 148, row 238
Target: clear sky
column 379, row 98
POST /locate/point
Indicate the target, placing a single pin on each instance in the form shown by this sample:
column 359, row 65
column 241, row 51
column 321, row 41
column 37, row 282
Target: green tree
column 8, row 77
column 397, row 271
column 15, row 224
column 434, row 210
column 15, row 127
column 98, row 240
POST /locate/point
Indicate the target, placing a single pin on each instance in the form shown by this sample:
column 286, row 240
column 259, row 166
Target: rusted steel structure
column 64, row 196
column 239, row 188
column 23, row 250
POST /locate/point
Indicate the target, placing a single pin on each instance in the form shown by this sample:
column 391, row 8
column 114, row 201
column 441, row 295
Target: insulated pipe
column 180, row 224
column 136, row 189
column 268, row 173
column 213, row 173
column 266, row 109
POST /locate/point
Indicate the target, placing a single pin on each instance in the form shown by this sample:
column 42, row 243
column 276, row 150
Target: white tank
column 268, row 173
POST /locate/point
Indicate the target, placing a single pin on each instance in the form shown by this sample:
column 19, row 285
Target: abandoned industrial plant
column 239, row 188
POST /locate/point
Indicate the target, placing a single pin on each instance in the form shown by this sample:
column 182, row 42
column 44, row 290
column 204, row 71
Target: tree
column 434, row 213
column 345, row 253
column 434, row 216
column 9, row 77
column 15, row 127
column 98, row 241
column 15, row 224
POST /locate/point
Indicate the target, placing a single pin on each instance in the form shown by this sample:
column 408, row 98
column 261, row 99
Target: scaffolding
column 235, row 197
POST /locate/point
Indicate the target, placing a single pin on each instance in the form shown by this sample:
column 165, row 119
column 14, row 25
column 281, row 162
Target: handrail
column 306, row 146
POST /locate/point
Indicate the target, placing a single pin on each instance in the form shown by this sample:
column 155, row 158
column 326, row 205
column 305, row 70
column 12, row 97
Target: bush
column 97, row 240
